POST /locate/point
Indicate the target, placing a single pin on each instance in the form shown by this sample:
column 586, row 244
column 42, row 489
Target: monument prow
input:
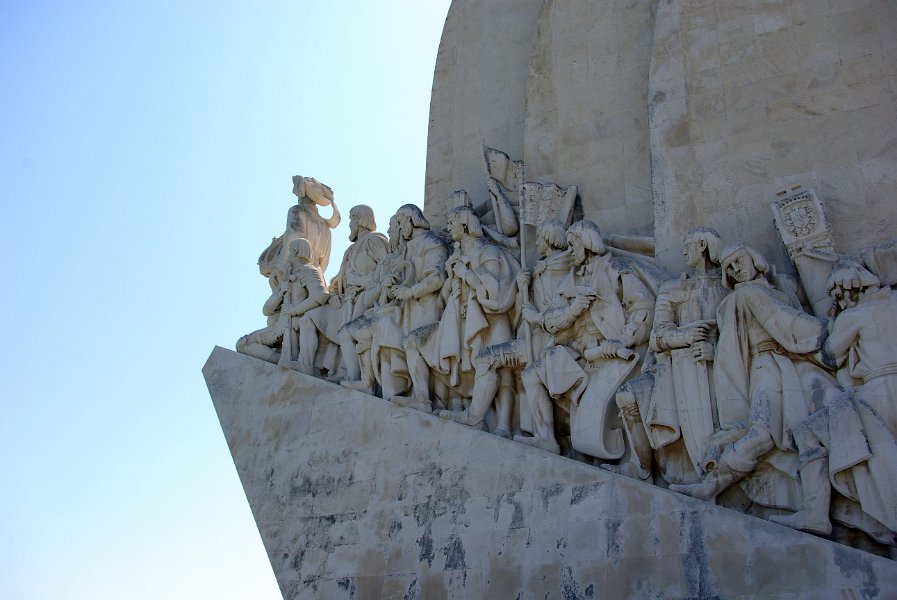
column 358, row 497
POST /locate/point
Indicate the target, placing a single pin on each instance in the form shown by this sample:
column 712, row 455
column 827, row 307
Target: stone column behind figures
column 764, row 389
column 851, row 444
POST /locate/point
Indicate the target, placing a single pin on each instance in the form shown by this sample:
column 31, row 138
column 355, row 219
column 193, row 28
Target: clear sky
column 146, row 156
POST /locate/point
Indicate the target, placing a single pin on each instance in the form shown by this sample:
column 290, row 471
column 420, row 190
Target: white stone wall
column 479, row 91
column 586, row 107
column 748, row 98
column 676, row 113
column 356, row 497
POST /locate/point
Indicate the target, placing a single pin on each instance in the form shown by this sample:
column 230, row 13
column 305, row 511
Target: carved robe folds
column 620, row 312
column 679, row 414
column 859, row 428
column 762, row 390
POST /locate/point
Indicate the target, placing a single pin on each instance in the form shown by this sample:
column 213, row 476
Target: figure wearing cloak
column 763, row 392
column 669, row 411
column 358, row 268
column 600, row 333
column 480, row 296
column 851, row 444
column 418, row 306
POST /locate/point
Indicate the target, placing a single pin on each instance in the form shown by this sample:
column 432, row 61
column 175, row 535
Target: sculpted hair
column 470, row 221
column 711, row 240
column 365, row 216
column 759, row 262
column 415, row 215
column 300, row 248
column 588, row 233
column 554, row 233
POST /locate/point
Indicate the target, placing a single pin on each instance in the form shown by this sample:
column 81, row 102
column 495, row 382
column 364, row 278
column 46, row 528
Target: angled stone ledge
column 356, row 497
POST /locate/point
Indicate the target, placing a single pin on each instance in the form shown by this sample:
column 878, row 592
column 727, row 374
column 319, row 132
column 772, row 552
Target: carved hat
column 314, row 190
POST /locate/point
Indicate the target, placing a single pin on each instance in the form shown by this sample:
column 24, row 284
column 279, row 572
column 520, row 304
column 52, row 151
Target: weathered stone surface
column 586, row 115
column 746, row 99
column 356, row 497
column 479, row 91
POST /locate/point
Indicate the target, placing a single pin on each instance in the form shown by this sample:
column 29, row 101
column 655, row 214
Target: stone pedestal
column 356, row 497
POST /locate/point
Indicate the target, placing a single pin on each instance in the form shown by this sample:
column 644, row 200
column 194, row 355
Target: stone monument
column 640, row 341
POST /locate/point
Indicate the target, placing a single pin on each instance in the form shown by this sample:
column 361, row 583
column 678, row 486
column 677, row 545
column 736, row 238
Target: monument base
column 356, row 497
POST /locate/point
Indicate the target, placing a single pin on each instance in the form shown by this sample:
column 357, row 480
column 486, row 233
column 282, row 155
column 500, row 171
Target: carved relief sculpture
column 763, row 389
column 850, row 444
column 480, row 295
column 347, row 300
column 669, row 411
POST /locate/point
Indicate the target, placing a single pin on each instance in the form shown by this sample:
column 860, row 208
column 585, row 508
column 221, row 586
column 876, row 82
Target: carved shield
column 595, row 427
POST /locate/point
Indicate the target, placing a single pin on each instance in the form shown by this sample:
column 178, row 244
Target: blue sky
column 146, row 156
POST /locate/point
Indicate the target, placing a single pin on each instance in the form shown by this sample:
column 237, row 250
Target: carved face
column 406, row 229
column 353, row 226
column 393, row 232
column 693, row 250
column 579, row 249
column 456, row 228
column 740, row 267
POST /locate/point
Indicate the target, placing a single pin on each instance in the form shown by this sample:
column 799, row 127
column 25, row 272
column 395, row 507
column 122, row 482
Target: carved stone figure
column 296, row 288
column 347, row 300
column 600, row 332
column 480, row 295
column 763, row 392
column 265, row 343
column 304, row 221
column 305, row 292
column 504, row 178
column 851, row 443
column 418, row 304
column 669, row 411
column 540, row 290
column 357, row 335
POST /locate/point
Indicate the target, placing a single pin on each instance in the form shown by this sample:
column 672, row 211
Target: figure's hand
column 492, row 187
column 702, row 351
column 460, row 271
column 284, row 287
column 523, row 279
column 531, row 315
column 402, row 292
column 610, row 348
column 697, row 332
column 580, row 303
